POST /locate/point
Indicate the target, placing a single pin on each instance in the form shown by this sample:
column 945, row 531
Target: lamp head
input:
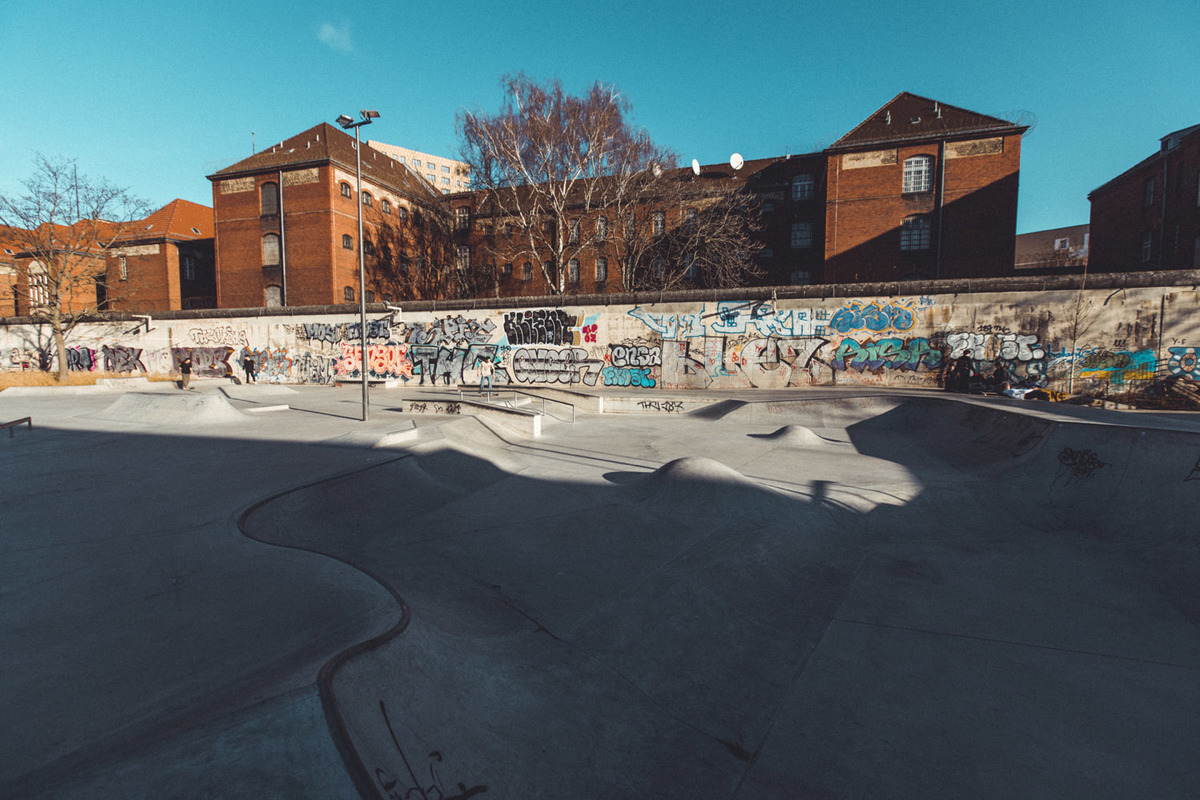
column 345, row 121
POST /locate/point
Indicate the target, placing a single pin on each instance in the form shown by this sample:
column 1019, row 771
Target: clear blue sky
column 157, row 96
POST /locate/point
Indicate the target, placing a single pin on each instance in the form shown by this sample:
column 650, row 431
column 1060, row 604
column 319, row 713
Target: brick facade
column 1148, row 217
column 299, row 245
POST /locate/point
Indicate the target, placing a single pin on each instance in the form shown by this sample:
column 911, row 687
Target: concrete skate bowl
column 161, row 408
column 690, row 633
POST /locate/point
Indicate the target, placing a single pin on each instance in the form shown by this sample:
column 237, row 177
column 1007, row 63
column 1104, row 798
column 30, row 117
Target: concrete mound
column 796, row 436
column 172, row 409
column 695, row 469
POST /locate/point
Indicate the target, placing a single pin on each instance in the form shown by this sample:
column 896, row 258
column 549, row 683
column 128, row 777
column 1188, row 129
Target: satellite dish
column 695, row 167
column 736, row 161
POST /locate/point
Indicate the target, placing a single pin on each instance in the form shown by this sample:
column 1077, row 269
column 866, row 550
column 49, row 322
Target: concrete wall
column 1123, row 338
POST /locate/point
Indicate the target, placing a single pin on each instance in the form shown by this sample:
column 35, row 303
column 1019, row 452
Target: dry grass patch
column 35, row 377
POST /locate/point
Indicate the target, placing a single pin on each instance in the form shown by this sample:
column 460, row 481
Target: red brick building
column 163, row 263
column 922, row 190
column 287, row 219
column 918, row 190
column 1148, row 217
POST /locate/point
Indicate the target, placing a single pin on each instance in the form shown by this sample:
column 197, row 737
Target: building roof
column 1032, row 248
column 1167, row 144
column 908, row 117
column 178, row 219
column 324, row 143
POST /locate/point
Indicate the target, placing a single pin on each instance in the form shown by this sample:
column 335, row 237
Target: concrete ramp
column 183, row 408
column 796, row 436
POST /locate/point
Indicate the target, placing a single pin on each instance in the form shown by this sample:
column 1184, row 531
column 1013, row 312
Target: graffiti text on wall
column 540, row 326
column 873, row 317
column 890, row 353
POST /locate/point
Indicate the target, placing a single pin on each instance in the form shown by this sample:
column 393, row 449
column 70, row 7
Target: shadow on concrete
column 1006, row 606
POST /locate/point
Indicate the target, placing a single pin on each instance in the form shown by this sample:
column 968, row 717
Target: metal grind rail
column 12, row 426
column 514, row 392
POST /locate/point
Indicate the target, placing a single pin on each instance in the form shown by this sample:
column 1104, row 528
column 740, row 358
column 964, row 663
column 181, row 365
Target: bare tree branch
column 61, row 229
column 550, row 164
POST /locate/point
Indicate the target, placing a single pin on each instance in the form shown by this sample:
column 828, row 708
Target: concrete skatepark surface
column 819, row 593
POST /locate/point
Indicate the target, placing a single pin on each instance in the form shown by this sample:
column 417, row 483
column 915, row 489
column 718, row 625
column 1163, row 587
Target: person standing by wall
column 249, row 366
column 185, row 371
column 486, row 368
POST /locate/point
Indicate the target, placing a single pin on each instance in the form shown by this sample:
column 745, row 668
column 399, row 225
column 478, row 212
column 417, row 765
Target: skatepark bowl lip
column 926, row 437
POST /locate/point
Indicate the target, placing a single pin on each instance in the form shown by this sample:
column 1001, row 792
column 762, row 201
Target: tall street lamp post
column 348, row 123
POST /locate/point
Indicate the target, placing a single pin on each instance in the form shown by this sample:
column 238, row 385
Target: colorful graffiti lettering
column 383, row 361
column 872, row 317
column 81, row 359
column 274, row 365
column 733, row 317
column 1120, row 366
column 615, row 376
column 1184, row 362
column 890, row 353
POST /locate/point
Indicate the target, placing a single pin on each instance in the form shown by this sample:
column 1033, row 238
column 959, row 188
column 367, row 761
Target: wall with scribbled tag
column 1091, row 340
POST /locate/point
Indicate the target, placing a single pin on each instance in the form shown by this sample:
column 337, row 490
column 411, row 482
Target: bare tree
column 561, row 176
column 62, row 227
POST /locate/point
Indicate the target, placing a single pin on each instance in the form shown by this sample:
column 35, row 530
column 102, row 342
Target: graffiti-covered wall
column 1095, row 339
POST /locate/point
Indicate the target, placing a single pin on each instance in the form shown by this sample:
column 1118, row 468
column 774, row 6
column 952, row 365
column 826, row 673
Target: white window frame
column 918, row 175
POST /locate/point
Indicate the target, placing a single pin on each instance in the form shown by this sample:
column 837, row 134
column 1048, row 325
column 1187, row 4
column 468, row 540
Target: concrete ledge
column 656, row 404
column 264, row 409
column 590, row 403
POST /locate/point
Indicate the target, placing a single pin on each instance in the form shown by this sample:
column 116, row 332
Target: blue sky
column 155, row 97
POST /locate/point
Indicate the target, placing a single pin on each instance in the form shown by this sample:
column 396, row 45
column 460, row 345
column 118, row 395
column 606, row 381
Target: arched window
column 601, row 228
column 348, row 294
column 601, row 269
column 918, row 174
column 269, row 199
column 527, row 271
column 347, row 241
column 573, row 271
column 346, row 190
column 385, row 206
column 914, row 233
column 802, row 187
column 273, row 296
column 270, row 250
column 573, row 234
column 402, row 212
column 368, row 201
column 660, row 223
